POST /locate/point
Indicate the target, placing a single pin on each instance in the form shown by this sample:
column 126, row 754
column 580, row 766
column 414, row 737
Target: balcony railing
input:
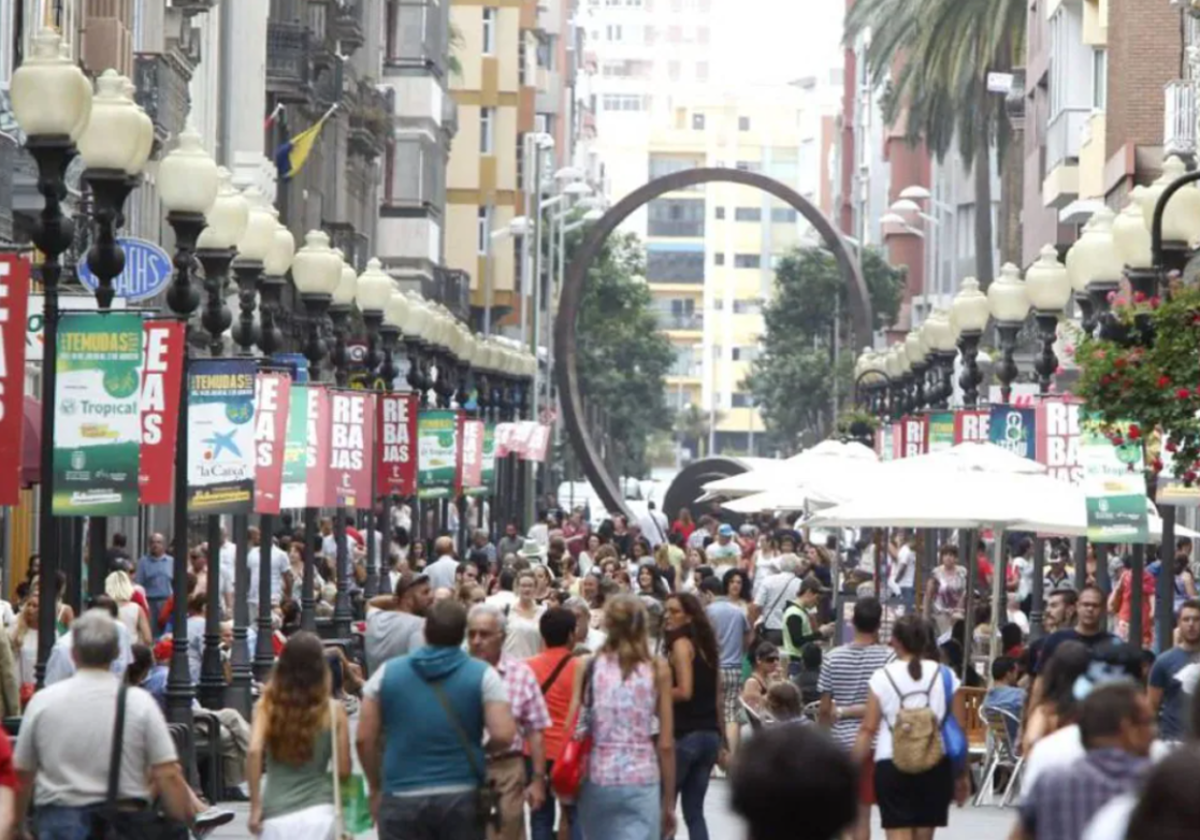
column 1064, row 136
column 1179, row 119
column 692, row 370
column 669, row 321
column 288, row 70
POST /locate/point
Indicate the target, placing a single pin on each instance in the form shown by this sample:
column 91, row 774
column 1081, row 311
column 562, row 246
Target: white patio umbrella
column 972, row 457
column 1067, row 517
column 791, row 471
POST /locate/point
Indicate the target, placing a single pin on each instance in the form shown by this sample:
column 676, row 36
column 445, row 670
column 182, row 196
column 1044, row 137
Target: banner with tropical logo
column 437, row 453
column 97, row 403
column 221, row 436
column 1114, row 484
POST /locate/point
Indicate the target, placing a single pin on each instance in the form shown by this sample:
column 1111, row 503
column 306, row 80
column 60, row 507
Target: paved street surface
column 967, row 824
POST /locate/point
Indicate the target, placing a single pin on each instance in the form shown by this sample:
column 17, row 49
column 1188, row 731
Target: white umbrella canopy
column 773, row 475
column 941, row 498
column 971, row 457
column 1066, row 516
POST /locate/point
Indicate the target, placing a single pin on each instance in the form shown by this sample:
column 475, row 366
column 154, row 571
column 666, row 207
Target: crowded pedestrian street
column 599, row 419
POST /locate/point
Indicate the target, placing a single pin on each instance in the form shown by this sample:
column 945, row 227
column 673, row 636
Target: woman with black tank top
column 694, row 659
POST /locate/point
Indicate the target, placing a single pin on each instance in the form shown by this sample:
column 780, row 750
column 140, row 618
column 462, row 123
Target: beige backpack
column 917, row 732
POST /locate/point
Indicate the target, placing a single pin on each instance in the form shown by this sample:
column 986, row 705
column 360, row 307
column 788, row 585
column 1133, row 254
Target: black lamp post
column 270, row 340
column 339, row 317
column 1008, row 301
column 316, row 271
column 188, row 181
column 373, row 293
column 970, row 317
column 216, row 249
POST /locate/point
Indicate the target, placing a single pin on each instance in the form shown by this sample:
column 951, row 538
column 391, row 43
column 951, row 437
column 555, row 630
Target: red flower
column 1139, row 297
column 1107, row 379
column 1156, row 465
column 1189, row 477
column 1120, row 301
column 1183, row 393
column 1164, row 381
column 1172, row 446
column 1155, row 302
column 1117, row 440
column 1134, row 432
column 1119, row 362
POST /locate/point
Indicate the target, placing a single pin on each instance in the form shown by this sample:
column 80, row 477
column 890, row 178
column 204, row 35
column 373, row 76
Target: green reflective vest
column 793, row 609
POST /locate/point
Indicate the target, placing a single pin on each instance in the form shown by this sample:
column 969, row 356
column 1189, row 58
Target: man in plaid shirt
column 1117, row 727
column 506, row 770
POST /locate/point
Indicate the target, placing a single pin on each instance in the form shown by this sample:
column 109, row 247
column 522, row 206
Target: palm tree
column 934, row 56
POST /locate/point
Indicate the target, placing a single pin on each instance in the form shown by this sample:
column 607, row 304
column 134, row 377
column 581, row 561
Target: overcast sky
column 778, row 40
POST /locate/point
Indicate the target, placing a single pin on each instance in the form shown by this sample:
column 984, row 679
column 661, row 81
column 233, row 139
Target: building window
column 625, row 102
column 1100, row 79
column 741, row 399
column 747, row 307
column 720, row 213
column 783, row 215
column 484, row 229
column 743, row 123
column 745, row 354
column 487, row 130
column 747, row 214
column 672, row 265
column 719, row 258
column 613, row 32
column 746, row 261
column 676, row 217
column 697, row 122
column 749, row 166
column 489, row 30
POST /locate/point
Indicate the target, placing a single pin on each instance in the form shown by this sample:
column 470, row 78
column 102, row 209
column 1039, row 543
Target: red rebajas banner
column 539, row 443
column 351, row 435
column 162, row 380
column 14, row 305
column 396, row 436
column 318, row 444
column 272, row 391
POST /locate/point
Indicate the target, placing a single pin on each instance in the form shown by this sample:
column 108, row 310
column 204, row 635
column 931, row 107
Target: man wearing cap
column 798, row 626
column 398, row 627
column 724, row 553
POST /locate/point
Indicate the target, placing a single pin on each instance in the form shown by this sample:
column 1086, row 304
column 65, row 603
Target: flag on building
column 292, row 154
column 274, row 115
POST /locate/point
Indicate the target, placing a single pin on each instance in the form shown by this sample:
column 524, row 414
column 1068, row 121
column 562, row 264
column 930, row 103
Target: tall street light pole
column 339, row 315
column 216, row 249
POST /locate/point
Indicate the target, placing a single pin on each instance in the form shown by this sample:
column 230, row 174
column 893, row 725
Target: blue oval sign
column 147, row 270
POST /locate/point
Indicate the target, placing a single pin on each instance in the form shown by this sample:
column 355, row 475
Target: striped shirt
column 845, row 676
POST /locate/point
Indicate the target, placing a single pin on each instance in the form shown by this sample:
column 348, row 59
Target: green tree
column 622, row 357
column 793, row 378
column 935, row 56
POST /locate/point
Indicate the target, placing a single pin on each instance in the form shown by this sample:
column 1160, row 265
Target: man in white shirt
column 61, row 664
column 724, row 553
column 279, row 568
column 442, row 571
column 772, row 599
column 903, row 577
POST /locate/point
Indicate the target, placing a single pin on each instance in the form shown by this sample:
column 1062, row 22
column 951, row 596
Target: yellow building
column 711, row 250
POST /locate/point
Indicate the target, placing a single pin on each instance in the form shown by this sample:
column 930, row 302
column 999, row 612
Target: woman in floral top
column 629, row 793
column 947, row 588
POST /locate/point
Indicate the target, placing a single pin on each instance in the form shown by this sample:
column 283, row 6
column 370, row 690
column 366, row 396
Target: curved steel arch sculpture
column 572, row 294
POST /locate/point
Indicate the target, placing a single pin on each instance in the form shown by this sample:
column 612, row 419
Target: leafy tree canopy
column 793, row 378
column 622, row 357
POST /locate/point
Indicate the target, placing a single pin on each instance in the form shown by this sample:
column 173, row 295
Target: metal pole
column 97, row 554
column 342, row 614
column 239, row 659
column 1137, row 591
column 308, row 600
column 264, row 651
column 966, row 544
column 528, row 469
column 212, row 676
column 1164, row 616
column 1037, row 607
column 1080, row 550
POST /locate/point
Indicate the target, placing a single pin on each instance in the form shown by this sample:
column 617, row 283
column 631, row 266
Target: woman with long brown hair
column 629, row 793
column 699, row 723
column 293, row 736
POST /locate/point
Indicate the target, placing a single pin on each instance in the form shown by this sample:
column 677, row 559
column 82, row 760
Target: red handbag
column 571, row 765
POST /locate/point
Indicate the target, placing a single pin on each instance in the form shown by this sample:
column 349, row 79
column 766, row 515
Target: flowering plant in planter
column 1146, row 371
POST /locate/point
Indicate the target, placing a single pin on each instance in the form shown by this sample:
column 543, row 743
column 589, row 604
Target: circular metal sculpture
column 572, row 293
column 688, row 486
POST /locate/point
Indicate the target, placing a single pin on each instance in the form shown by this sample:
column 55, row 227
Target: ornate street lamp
column 1049, row 289
column 895, row 371
column 114, row 149
column 969, row 314
column 339, row 316
column 316, row 271
column 918, row 357
column 215, row 249
column 253, row 248
column 276, row 263
column 1009, row 305
column 941, row 339
column 52, row 103
column 373, row 293
column 1093, row 268
column 187, row 185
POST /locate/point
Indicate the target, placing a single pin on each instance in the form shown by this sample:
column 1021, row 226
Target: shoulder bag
column 953, row 738
column 558, row 669
column 571, row 764
column 761, row 633
column 487, row 799
column 111, row 821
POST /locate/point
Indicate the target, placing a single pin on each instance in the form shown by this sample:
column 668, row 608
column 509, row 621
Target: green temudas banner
column 1114, row 486
column 97, row 401
column 437, row 458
